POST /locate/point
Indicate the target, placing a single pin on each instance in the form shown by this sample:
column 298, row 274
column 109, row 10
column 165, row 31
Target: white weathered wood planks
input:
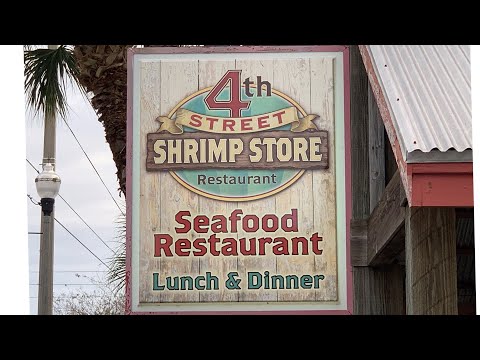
column 307, row 81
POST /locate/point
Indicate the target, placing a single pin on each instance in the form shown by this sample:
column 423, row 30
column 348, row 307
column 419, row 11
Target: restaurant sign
column 237, row 174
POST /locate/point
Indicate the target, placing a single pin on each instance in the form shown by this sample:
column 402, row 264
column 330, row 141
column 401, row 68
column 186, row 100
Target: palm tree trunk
column 103, row 73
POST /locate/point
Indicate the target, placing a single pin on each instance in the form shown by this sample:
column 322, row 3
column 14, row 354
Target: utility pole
column 45, row 277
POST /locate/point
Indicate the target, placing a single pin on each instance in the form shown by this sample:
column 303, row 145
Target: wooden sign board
column 238, row 180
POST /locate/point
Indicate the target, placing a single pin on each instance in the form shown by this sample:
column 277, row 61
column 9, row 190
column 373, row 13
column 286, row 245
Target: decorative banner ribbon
column 239, row 125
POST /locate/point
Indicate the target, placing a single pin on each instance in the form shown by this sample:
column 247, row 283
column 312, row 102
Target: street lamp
column 48, row 185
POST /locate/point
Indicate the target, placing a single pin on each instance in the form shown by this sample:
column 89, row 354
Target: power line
column 73, row 296
column 98, row 236
column 61, row 197
column 74, row 271
column 34, row 168
column 85, row 246
column 91, row 252
column 32, row 200
column 65, row 284
column 81, row 147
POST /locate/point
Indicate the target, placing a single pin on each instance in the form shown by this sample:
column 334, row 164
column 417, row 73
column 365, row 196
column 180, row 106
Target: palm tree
column 46, row 74
column 101, row 71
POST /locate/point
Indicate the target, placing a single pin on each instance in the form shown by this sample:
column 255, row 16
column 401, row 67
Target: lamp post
column 48, row 185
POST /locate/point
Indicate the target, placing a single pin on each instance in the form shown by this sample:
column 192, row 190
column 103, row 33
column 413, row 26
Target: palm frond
column 116, row 274
column 46, row 74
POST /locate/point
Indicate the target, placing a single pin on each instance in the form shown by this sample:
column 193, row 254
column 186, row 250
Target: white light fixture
column 48, row 186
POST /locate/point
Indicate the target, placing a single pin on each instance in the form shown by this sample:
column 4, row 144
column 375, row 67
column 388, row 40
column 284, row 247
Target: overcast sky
column 83, row 190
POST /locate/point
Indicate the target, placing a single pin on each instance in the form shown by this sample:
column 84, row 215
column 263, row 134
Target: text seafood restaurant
column 314, row 180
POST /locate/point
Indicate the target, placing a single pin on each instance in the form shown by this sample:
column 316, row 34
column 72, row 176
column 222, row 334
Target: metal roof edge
column 435, row 155
column 389, row 105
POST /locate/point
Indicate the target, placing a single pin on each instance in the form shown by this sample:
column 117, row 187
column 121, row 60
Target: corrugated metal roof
column 427, row 88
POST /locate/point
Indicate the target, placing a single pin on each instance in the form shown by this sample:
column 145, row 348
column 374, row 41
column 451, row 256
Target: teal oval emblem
column 237, row 184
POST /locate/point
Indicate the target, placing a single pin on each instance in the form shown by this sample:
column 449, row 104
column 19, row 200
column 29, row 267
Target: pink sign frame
column 348, row 197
